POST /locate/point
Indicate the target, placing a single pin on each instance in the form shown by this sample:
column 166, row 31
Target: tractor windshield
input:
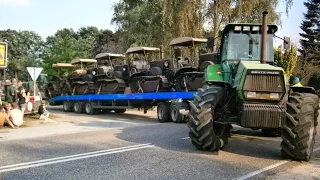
column 246, row 46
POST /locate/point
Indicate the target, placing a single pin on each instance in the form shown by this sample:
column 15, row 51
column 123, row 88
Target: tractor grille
column 263, row 116
column 266, row 83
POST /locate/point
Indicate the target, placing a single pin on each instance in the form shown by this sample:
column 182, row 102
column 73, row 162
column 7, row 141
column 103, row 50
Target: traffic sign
column 3, row 54
column 34, row 72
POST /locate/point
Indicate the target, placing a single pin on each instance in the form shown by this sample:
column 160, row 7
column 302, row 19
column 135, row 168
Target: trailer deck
column 168, row 103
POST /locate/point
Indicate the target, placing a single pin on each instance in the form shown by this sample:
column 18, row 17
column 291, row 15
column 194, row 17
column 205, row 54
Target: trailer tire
column 175, row 114
column 300, row 126
column 163, row 112
column 120, row 111
column 67, row 106
column 89, row 108
column 78, row 107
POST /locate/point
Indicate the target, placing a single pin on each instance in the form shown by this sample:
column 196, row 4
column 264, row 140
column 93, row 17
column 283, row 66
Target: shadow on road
column 174, row 137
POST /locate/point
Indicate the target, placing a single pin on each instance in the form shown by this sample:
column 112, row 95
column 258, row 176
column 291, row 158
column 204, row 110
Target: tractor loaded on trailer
column 109, row 83
column 244, row 88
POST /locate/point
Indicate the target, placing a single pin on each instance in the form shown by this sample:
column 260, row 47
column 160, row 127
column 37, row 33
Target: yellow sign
column 3, row 48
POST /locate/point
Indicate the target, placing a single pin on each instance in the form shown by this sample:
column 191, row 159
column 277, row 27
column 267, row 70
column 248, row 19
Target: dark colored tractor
column 188, row 77
column 56, row 85
column 82, row 80
column 110, row 73
column 147, row 75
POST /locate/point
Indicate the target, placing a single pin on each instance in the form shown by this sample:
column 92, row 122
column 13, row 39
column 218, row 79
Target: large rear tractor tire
column 204, row 133
column 300, row 126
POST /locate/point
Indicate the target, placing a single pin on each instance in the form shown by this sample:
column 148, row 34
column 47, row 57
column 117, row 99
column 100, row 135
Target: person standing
column 11, row 91
column 21, row 96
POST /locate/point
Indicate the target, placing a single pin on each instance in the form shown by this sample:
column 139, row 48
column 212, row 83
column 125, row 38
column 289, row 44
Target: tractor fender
column 137, row 75
column 185, row 69
column 303, row 89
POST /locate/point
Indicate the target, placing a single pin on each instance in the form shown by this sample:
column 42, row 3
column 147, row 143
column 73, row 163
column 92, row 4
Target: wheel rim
column 88, row 108
column 160, row 113
column 174, row 114
column 65, row 106
column 219, row 129
column 76, row 107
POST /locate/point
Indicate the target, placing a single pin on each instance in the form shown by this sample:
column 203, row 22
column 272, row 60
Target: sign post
column 34, row 72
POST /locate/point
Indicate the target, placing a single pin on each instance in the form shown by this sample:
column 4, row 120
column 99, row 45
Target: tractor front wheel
column 300, row 126
column 205, row 134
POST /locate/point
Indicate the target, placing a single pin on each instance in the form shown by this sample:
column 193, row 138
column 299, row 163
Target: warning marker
column 1, row 57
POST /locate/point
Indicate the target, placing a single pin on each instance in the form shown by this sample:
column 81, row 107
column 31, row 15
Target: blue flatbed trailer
column 168, row 103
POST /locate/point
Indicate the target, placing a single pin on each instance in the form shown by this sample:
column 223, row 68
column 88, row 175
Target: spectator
column 44, row 113
column 11, row 91
column 21, row 96
column 4, row 118
column 16, row 115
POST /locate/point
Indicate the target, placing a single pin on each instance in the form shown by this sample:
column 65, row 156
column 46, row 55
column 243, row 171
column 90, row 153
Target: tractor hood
column 257, row 68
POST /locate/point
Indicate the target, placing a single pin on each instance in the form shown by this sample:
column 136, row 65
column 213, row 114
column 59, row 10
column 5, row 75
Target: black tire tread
column 201, row 123
column 302, row 113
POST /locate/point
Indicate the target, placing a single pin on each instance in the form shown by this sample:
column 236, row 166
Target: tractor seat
column 80, row 72
column 139, row 64
column 102, row 70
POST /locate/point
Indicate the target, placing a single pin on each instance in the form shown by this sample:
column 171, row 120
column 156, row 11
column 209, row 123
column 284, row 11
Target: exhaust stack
column 264, row 37
column 161, row 52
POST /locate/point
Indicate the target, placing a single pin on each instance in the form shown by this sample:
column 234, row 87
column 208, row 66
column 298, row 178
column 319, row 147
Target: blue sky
column 47, row 16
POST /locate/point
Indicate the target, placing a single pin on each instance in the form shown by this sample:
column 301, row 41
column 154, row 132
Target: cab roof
column 87, row 61
column 109, row 55
column 62, row 65
column 187, row 41
column 142, row 50
column 272, row 28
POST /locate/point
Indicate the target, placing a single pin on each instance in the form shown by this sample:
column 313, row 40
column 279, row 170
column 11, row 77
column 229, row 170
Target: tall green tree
column 24, row 49
column 286, row 60
column 310, row 38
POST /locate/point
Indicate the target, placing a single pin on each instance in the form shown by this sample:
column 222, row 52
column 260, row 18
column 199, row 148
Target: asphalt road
column 145, row 149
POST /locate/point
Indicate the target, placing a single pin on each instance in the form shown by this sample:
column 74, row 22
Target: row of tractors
column 147, row 71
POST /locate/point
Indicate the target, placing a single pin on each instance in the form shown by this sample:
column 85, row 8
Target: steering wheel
column 133, row 70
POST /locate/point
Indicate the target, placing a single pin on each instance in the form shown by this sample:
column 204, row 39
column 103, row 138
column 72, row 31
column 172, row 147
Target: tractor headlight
column 93, row 72
column 262, row 95
column 124, row 69
column 166, row 64
column 274, row 95
column 251, row 95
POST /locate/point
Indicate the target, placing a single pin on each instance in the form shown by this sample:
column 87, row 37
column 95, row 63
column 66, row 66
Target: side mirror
column 286, row 43
column 210, row 43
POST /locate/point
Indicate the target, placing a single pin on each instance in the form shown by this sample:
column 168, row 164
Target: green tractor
column 244, row 88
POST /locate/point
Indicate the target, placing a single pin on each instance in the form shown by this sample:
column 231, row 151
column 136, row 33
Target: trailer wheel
column 78, row 107
column 67, row 106
column 163, row 112
column 120, row 111
column 175, row 115
column 89, row 108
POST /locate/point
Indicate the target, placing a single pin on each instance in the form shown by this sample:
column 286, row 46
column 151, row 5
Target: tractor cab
column 141, row 58
column 54, row 87
column 190, row 55
column 85, row 67
column 108, row 62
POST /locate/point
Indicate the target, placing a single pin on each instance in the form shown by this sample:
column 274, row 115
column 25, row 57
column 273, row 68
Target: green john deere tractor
column 244, row 88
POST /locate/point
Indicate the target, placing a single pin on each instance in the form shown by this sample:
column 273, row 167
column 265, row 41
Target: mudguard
column 185, row 69
column 303, row 89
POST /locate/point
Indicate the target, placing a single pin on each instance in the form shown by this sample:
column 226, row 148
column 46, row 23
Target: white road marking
column 249, row 175
column 72, row 157
column 186, row 138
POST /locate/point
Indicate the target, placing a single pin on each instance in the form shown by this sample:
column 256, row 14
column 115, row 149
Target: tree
column 106, row 41
column 286, row 60
column 310, row 38
column 24, row 49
